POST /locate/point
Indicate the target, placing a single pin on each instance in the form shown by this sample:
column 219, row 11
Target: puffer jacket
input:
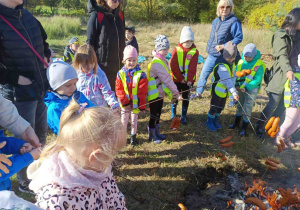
column 107, row 38
column 19, row 59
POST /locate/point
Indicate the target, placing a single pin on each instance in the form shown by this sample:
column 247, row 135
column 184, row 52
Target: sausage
column 222, row 141
column 229, row 144
column 219, row 154
column 256, row 202
column 240, row 73
column 247, row 71
column 173, row 122
column 274, row 160
column 275, row 124
column 270, row 132
column 271, row 168
column 176, row 125
column 224, row 158
column 269, row 123
column 282, row 144
column 182, row 207
column 279, row 148
column 273, row 134
column 270, row 163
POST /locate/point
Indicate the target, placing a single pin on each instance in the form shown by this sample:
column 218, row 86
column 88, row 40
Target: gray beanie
column 73, row 39
column 250, row 50
column 230, row 50
column 187, row 34
column 161, row 43
column 59, row 73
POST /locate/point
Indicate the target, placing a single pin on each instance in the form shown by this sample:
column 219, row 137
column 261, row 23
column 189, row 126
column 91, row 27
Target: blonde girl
column 78, row 163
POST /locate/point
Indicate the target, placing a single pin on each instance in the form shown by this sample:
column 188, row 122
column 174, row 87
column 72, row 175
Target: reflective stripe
column 151, row 82
column 135, row 97
column 181, row 68
column 186, row 67
column 135, row 106
column 286, row 101
column 152, row 92
column 221, row 89
column 250, row 77
column 287, row 93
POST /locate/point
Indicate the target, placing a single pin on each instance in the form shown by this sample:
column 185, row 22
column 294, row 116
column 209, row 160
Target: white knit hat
column 60, row 73
column 186, row 34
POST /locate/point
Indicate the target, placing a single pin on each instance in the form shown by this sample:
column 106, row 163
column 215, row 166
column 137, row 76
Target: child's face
column 230, row 60
column 75, row 46
column 187, row 44
column 129, row 35
column 248, row 59
column 130, row 63
column 87, row 68
column 164, row 52
column 68, row 88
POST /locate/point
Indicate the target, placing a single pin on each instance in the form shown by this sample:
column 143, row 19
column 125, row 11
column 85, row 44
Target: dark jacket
column 133, row 42
column 68, row 55
column 282, row 47
column 107, row 38
column 19, row 59
column 230, row 29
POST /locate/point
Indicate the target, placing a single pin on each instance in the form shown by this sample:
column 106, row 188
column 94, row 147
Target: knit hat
column 230, row 50
column 74, row 39
column 186, row 34
column 161, row 43
column 130, row 52
column 250, row 50
column 130, row 28
column 59, row 73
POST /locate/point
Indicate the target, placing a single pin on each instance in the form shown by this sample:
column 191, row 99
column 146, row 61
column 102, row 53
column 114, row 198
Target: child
column 71, row 49
column 160, row 83
column 62, row 79
column 221, row 84
column 183, row 65
column 22, row 155
column 130, row 37
column 292, row 103
column 75, row 170
column 131, row 89
column 92, row 81
column 249, row 86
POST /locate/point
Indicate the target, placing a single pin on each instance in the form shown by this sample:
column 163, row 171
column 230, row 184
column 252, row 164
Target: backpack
column 100, row 16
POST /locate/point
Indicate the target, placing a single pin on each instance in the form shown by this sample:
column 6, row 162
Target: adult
column 226, row 27
column 106, row 33
column 286, row 48
column 26, row 82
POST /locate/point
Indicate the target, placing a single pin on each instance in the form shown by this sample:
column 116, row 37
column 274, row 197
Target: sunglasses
column 223, row 7
column 116, row 1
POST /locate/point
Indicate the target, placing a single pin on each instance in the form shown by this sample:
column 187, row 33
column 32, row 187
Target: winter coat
column 192, row 66
column 257, row 79
column 159, row 72
column 142, row 87
column 133, row 42
column 82, row 189
column 96, row 88
column 57, row 103
column 19, row 59
column 19, row 161
column 282, row 47
column 68, row 55
column 230, row 29
column 107, row 38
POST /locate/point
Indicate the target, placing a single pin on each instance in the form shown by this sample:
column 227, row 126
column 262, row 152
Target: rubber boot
column 152, row 136
column 244, row 128
column 158, row 134
column 259, row 130
column 236, row 122
column 173, row 110
column 133, row 139
column 216, row 123
column 183, row 115
column 210, row 122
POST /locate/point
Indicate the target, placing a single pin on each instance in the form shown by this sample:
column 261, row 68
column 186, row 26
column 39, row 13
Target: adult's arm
column 93, row 29
column 236, row 32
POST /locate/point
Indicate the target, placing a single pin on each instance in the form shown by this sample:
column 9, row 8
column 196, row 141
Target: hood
column 258, row 56
column 9, row 12
column 50, row 97
column 60, row 169
column 92, row 6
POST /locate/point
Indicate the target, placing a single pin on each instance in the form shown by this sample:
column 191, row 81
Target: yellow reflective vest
column 184, row 69
column 287, row 92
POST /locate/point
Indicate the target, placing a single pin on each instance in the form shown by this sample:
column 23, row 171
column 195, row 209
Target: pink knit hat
column 130, row 52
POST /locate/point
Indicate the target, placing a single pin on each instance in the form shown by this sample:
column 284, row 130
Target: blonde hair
column 85, row 54
column 80, row 134
column 225, row 2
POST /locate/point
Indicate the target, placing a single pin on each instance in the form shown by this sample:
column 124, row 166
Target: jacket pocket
column 26, row 92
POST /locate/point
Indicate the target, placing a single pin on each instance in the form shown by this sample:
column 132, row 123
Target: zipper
column 118, row 38
column 33, row 53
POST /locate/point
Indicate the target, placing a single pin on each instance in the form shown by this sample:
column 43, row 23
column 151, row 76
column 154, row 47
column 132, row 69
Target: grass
column 184, row 168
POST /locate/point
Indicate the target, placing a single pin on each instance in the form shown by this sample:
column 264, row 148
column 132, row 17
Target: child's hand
column 26, row 148
column 180, row 98
column 243, row 90
column 236, row 97
column 237, row 88
column 183, row 81
column 35, row 153
column 189, row 83
column 290, row 75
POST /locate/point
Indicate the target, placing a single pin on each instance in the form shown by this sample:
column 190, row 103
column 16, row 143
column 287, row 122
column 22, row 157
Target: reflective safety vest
column 152, row 87
column 250, row 77
column 71, row 55
column 184, row 69
column 287, row 91
column 220, row 89
column 135, row 80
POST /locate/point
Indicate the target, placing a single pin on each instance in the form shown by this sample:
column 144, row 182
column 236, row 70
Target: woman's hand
column 24, row 81
column 30, row 136
column 219, row 47
column 290, row 75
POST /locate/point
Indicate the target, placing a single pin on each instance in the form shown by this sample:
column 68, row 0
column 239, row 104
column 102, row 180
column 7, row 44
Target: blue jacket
column 19, row 161
column 57, row 103
column 230, row 29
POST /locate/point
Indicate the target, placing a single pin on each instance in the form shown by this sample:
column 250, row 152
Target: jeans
column 205, row 72
column 275, row 107
column 35, row 112
column 247, row 100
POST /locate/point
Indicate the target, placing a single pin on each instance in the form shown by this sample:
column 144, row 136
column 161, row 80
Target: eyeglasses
column 223, row 7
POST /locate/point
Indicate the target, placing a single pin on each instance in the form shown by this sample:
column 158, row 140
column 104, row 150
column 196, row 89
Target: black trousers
column 155, row 111
column 217, row 103
column 185, row 95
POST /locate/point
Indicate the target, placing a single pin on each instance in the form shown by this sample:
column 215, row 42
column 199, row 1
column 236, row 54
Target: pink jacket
column 159, row 72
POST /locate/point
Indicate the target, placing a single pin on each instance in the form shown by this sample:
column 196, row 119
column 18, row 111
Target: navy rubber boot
column 173, row 110
column 133, row 139
column 244, row 128
column 210, row 122
column 158, row 134
column 152, row 135
column 183, row 115
column 236, row 122
column 216, row 123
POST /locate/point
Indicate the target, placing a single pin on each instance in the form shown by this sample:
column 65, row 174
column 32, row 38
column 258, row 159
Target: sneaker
column 25, row 188
column 195, row 96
